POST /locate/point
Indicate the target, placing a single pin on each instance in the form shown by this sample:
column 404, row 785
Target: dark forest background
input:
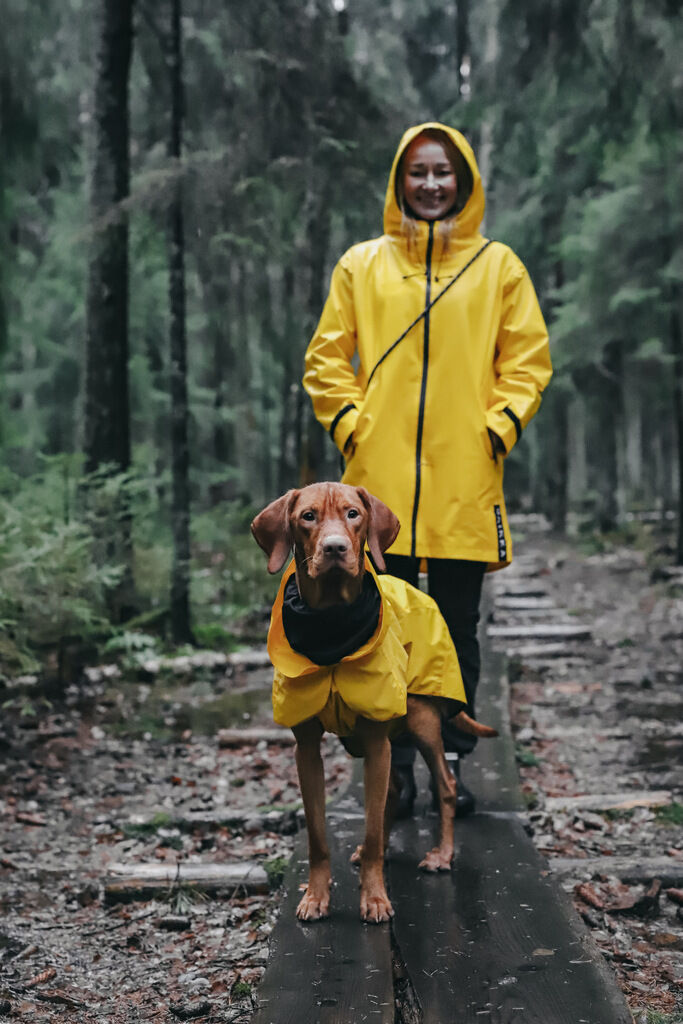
column 177, row 179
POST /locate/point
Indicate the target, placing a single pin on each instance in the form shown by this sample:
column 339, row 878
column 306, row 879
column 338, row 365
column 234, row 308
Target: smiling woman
column 452, row 359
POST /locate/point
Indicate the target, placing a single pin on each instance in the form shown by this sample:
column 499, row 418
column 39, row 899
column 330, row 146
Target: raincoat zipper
column 423, row 391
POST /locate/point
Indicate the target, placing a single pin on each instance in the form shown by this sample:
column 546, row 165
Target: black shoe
column 464, row 801
column 407, row 790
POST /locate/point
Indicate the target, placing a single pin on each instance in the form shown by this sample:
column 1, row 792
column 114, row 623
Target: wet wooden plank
column 218, row 817
column 129, row 881
column 337, row 971
column 633, row 870
column 546, row 631
column 517, row 589
column 244, row 737
column 496, row 939
column 544, row 650
column 525, row 604
column 624, row 801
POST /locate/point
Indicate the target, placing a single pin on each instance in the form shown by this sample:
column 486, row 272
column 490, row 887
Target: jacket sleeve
column 522, row 362
column 329, row 377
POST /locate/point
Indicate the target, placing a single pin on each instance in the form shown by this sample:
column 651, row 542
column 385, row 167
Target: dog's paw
column 436, row 860
column 313, row 906
column 375, row 907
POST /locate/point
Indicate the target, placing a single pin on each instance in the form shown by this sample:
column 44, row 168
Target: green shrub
column 52, row 584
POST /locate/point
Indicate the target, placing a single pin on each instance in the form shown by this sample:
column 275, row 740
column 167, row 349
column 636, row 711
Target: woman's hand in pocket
column 497, row 446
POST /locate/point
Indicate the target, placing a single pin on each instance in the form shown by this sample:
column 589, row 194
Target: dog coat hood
column 449, row 343
column 411, row 651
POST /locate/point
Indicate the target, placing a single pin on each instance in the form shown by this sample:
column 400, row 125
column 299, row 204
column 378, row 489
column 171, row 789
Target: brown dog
column 328, row 526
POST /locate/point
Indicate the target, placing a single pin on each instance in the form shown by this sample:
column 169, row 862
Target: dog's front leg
column 374, row 902
column 315, row 902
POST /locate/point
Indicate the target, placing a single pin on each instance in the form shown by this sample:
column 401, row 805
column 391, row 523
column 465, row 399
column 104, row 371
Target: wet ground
column 132, row 773
column 128, row 769
column 603, row 718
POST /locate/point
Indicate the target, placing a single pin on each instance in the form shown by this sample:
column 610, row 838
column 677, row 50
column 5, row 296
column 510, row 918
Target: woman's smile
column 429, row 182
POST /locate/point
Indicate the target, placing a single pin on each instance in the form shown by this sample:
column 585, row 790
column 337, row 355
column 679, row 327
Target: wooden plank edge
column 634, row 872
column 608, row 801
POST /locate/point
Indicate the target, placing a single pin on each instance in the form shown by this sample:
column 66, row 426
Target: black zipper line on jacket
column 423, row 391
column 515, row 419
column 425, row 311
column 342, row 412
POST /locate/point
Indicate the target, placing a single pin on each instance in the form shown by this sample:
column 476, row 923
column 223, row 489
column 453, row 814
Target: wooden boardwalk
column 496, row 941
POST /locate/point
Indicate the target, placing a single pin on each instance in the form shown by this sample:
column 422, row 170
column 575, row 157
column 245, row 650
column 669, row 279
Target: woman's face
column 429, row 182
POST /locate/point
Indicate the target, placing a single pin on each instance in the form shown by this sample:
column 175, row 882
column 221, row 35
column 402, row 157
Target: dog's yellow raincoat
column 411, row 651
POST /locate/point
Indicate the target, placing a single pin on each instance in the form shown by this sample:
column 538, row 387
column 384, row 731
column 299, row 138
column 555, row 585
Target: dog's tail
column 467, row 724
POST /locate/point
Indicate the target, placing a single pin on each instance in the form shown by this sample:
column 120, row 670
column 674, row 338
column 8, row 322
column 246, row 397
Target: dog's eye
column 308, row 516
column 353, row 513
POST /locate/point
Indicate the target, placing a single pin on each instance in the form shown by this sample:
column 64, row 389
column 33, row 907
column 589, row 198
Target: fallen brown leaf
column 44, row 976
column 588, row 894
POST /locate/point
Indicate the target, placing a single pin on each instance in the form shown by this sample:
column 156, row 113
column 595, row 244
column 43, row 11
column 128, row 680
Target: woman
column 452, row 357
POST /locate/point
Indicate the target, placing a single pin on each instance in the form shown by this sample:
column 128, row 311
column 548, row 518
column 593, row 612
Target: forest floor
column 128, row 768
column 599, row 725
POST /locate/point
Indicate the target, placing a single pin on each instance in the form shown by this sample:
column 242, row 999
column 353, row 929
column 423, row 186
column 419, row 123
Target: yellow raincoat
column 419, row 410
column 411, row 651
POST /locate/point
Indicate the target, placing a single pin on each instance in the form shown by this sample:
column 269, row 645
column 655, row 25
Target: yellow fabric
column 411, row 651
column 488, row 351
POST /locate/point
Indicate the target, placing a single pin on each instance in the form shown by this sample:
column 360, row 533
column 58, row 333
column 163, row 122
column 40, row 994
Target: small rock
column 184, row 1011
column 174, row 923
column 88, row 895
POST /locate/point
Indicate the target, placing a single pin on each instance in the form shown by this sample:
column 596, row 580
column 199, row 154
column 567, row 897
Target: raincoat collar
column 468, row 220
column 292, row 664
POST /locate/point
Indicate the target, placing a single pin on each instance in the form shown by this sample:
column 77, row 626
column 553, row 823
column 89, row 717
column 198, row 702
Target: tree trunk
column 180, row 458
column 462, row 47
column 216, row 295
column 107, row 431
column 312, row 459
column 577, row 482
column 676, row 336
column 609, row 416
column 559, row 476
column 106, row 404
column 633, row 442
column 286, row 474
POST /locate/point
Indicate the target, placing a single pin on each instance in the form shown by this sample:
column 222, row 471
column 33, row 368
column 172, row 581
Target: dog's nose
column 335, row 544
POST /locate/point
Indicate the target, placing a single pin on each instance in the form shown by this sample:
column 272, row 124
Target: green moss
column 617, row 814
column 670, row 814
column 526, row 756
column 241, row 990
column 215, row 637
column 146, row 828
column 275, row 869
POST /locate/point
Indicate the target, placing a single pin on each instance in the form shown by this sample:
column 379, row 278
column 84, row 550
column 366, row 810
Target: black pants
column 455, row 584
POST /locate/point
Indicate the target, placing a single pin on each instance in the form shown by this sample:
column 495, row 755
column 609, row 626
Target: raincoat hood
column 470, row 217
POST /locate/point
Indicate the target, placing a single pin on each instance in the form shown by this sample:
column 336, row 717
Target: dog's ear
column 383, row 527
column 271, row 530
